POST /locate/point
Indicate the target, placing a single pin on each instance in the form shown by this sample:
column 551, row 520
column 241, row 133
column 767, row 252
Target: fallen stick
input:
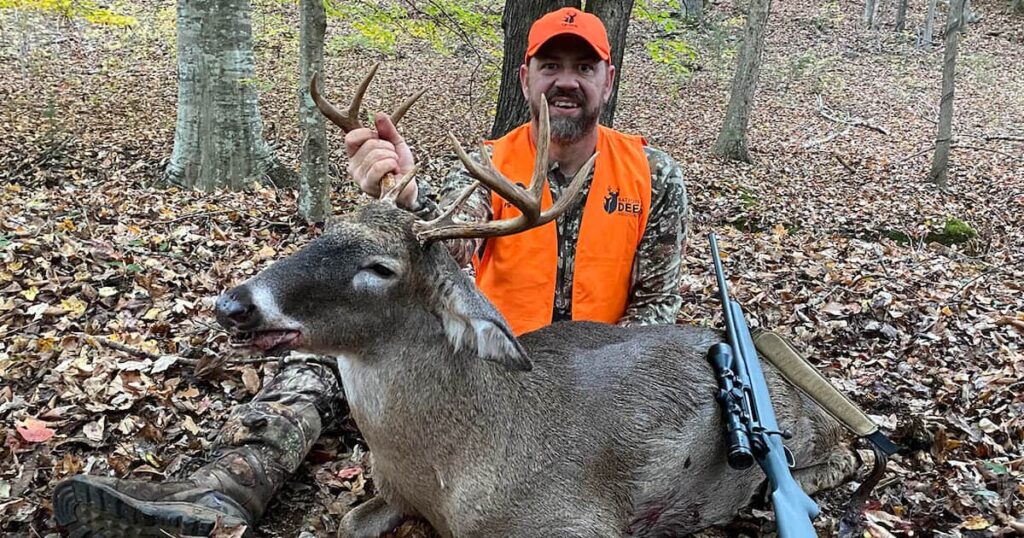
column 177, row 359
column 852, row 121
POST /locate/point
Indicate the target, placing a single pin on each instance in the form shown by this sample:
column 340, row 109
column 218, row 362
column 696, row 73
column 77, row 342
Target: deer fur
column 579, row 429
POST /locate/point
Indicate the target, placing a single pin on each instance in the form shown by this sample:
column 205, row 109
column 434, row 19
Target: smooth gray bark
column 693, row 10
column 615, row 16
column 870, row 7
column 314, row 180
column 970, row 17
column 929, row 26
column 218, row 138
column 940, row 165
column 901, row 15
column 732, row 139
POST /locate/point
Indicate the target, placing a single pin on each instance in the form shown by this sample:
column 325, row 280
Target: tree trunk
column 516, row 21
column 870, row 6
column 929, row 26
column 732, row 139
column 693, row 10
column 615, row 15
column 314, row 180
column 970, row 17
column 218, row 138
column 901, row 16
column 940, row 166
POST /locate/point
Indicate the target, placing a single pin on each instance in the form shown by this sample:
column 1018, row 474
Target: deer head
column 380, row 274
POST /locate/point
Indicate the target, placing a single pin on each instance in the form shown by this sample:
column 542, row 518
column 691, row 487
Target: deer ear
column 471, row 321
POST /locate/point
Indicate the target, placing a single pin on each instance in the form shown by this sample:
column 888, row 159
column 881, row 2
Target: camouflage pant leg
column 264, row 441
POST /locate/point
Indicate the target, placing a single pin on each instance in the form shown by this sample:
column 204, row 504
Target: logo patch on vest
column 613, row 204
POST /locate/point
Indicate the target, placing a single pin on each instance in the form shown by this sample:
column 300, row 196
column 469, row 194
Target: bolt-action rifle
column 752, row 432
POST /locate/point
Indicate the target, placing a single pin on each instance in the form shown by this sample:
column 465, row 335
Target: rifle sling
column 801, row 374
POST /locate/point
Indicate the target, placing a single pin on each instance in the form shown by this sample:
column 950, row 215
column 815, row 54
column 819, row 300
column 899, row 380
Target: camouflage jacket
column 654, row 293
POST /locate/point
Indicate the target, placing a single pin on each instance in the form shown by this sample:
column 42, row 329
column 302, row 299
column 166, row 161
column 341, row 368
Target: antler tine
column 399, row 113
column 347, row 121
column 357, row 99
column 487, row 174
column 543, row 142
column 391, row 194
column 570, row 194
column 446, row 217
column 350, row 121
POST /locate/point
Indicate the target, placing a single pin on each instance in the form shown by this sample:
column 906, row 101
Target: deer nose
column 234, row 308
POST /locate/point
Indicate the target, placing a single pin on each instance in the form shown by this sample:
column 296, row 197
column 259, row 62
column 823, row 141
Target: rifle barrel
column 723, row 289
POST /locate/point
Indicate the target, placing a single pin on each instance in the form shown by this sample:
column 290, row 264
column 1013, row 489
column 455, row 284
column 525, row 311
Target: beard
column 567, row 130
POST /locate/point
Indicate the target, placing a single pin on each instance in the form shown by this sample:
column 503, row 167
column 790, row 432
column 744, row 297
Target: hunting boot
column 260, row 445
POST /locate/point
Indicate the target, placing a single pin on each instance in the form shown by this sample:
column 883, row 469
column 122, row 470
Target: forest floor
column 834, row 237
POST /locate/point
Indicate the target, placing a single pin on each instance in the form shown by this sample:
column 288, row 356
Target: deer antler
column 528, row 201
column 349, row 121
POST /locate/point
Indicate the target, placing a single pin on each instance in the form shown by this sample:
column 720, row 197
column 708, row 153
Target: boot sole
column 89, row 510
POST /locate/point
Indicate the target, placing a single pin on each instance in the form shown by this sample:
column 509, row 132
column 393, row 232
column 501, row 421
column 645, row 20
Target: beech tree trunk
column 314, row 181
column 870, row 7
column 516, row 21
column 929, row 26
column 940, row 165
column 732, row 139
column 693, row 10
column 901, row 15
column 970, row 17
column 218, row 138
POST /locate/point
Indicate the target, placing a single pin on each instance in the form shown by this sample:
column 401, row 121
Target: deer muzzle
column 254, row 321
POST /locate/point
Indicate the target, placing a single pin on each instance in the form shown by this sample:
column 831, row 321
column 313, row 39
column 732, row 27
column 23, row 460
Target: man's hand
column 372, row 155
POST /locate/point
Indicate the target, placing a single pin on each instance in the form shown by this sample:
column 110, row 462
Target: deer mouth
column 269, row 342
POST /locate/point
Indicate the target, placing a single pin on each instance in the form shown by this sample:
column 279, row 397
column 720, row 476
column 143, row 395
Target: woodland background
column 909, row 297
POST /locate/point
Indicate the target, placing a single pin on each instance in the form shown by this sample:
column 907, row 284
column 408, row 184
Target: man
column 614, row 257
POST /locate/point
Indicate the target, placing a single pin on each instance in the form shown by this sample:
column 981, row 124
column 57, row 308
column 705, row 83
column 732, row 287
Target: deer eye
column 380, row 270
column 376, row 276
column 380, row 267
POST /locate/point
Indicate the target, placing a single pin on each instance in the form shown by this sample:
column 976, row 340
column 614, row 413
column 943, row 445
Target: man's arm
column 654, row 296
column 476, row 208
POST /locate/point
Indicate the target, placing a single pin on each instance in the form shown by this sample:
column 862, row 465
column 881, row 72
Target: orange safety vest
column 517, row 273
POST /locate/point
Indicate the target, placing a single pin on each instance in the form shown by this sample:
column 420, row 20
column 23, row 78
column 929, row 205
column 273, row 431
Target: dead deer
column 578, row 429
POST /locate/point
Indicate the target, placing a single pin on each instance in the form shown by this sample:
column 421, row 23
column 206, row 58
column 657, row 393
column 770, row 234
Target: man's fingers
column 370, row 174
column 357, row 139
column 387, row 131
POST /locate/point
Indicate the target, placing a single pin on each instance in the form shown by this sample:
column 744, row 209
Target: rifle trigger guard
column 790, row 458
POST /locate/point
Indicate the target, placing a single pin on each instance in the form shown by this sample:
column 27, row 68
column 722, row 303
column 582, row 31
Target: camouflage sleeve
column 654, row 296
column 476, row 208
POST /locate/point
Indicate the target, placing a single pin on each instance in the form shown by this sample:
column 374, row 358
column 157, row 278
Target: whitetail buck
column 578, row 429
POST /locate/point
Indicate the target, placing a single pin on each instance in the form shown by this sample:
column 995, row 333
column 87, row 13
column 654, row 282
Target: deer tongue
column 268, row 340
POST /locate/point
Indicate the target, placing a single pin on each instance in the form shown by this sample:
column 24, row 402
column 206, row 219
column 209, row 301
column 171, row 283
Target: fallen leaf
column 976, row 523
column 190, row 425
column 251, row 380
column 94, row 430
column 34, row 430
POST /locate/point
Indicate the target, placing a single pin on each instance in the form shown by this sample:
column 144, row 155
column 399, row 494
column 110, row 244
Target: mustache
column 576, row 95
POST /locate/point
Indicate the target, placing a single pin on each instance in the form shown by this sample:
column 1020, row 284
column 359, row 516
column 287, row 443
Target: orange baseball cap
column 570, row 21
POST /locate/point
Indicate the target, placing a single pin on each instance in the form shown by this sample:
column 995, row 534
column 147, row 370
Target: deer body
column 578, row 429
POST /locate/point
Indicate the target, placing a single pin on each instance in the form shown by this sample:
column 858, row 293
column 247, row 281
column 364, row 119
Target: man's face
column 576, row 83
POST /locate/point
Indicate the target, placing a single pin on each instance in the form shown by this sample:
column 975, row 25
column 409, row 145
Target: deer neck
column 385, row 385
